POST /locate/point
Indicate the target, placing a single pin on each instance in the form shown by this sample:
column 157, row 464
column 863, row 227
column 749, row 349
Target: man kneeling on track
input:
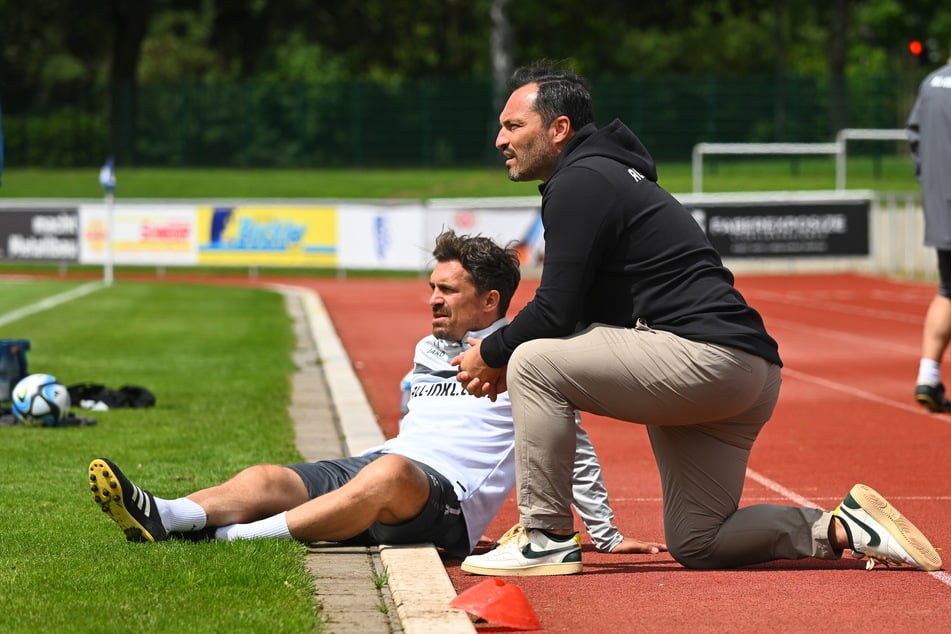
column 636, row 318
column 441, row 480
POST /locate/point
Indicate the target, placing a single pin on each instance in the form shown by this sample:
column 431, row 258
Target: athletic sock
column 929, row 372
column 181, row 515
column 273, row 527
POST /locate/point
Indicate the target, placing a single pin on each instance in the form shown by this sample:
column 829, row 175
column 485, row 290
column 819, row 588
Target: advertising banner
column 265, row 235
column 39, row 233
column 785, row 229
column 518, row 224
column 384, row 237
column 141, row 234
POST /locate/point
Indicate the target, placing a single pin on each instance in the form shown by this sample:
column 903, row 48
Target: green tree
column 63, row 85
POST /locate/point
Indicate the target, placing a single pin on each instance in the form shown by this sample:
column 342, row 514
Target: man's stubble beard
column 536, row 157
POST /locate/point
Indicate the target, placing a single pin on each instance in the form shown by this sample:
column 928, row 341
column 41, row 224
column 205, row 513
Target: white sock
column 274, row 527
column 181, row 515
column 929, row 372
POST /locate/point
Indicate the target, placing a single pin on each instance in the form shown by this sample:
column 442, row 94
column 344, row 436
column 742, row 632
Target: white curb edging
column 416, row 577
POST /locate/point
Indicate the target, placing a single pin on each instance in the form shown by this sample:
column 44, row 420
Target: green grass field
column 218, row 360
column 721, row 174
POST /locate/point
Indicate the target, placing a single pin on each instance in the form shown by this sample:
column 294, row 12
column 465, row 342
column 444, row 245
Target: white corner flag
column 107, row 178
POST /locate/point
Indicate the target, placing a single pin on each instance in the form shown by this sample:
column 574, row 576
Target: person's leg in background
column 936, row 335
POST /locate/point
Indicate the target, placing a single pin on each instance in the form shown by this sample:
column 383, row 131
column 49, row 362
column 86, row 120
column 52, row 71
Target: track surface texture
column 846, row 414
column 851, row 346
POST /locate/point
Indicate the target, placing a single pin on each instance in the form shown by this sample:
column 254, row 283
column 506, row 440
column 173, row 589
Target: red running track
column 846, row 414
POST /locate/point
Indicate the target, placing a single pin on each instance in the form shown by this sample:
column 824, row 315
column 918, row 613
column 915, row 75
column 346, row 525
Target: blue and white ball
column 40, row 400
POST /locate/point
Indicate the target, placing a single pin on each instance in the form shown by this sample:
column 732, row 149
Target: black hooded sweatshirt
column 619, row 248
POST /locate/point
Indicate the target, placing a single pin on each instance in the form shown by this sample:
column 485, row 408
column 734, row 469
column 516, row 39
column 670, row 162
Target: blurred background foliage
column 305, row 83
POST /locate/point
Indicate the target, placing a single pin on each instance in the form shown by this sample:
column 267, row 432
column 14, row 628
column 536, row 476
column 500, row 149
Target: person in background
column 929, row 136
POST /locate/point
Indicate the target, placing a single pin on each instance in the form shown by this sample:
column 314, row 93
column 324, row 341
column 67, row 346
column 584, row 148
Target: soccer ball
column 40, row 400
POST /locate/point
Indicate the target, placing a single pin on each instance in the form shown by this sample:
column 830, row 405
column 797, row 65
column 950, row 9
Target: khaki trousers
column 703, row 406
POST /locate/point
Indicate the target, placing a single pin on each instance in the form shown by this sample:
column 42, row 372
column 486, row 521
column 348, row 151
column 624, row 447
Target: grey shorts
column 440, row 522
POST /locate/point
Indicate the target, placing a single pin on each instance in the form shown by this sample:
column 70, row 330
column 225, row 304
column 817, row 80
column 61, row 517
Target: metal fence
column 431, row 122
column 839, row 149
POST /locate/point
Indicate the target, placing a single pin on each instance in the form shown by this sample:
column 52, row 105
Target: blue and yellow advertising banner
column 249, row 235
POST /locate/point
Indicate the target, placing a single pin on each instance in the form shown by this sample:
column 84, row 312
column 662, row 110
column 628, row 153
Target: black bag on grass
column 96, row 396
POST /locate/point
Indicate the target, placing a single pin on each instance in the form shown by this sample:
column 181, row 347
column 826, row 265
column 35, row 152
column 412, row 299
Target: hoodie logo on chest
column 637, row 176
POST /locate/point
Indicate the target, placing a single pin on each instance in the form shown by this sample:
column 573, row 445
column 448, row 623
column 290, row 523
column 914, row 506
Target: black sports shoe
column 132, row 508
column 933, row 397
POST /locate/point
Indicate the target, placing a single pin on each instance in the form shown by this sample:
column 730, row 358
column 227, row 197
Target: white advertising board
column 518, row 222
column 386, row 237
column 141, row 234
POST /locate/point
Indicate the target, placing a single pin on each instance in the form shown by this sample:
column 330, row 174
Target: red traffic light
column 916, row 47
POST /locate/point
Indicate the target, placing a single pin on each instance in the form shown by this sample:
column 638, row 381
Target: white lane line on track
column 49, row 302
column 821, row 304
column 772, row 499
column 917, row 297
column 868, row 396
column 780, row 489
column 839, row 336
column 776, row 487
column 941, row 576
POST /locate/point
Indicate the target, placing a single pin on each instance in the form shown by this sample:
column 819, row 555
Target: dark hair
column 490, row 266
column 560, row 92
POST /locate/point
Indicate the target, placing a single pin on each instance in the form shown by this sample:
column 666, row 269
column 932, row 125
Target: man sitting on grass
column 440, row 480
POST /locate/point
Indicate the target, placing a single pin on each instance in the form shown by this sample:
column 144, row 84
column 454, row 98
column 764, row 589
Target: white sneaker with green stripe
column 877, row 530
column 530, row 553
